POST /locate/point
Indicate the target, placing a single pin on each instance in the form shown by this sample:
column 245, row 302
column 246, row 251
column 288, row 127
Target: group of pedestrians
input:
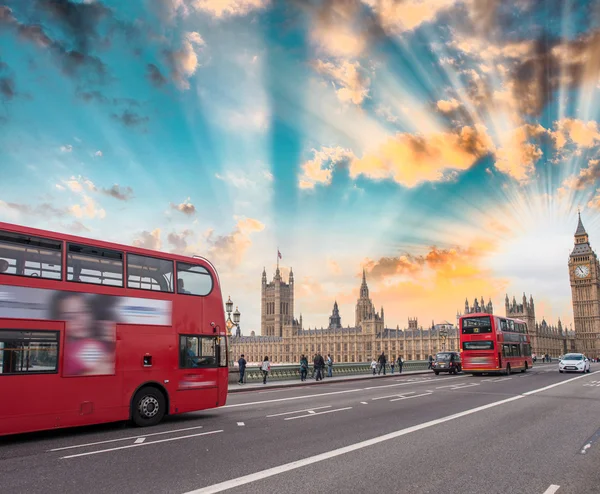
column 319, row 364
column 380, row 364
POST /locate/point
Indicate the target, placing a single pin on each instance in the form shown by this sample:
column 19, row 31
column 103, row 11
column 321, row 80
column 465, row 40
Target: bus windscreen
column 476, row 325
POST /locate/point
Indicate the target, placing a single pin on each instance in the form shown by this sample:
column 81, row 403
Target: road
column 522, row 433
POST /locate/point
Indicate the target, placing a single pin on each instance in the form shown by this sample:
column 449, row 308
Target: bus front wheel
column 149, row 407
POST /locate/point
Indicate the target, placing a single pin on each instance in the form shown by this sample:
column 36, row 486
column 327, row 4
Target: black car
column 447, row 362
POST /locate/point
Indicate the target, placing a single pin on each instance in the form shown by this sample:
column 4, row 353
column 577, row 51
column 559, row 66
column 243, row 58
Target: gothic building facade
column 584, row 274
column 284, row 339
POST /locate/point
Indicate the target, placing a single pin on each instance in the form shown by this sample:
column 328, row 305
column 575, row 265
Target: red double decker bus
column 493, row 344
column 94, row 332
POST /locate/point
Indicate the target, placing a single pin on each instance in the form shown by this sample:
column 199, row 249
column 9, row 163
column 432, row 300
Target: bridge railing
column 292, row 371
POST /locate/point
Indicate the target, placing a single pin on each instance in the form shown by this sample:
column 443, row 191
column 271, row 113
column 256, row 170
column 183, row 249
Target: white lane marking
column 270, row 472
column 139, row 445
column 496, row 379
column 545, row 388
column 392, row 396
column 126, row 438
column 297, row 411
column 409, row 397
column 318, row 413
column 312, row 411
column 303, row 397
column 456, row 385
column 463, row 386
column 139, row 440
column 364, row 403
column 241, row 424
column 552, row 489
column 585, row 448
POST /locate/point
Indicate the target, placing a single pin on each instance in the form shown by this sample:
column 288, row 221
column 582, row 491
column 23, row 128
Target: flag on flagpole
column 279, row 254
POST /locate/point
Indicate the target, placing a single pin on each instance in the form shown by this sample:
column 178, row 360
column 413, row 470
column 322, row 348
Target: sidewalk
column 238, row 388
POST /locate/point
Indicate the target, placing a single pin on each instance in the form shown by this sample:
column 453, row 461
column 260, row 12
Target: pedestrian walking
column 303, row 367
column 329, row 366
column 382, row 362
column 392, row 364
column 374, row 366
column 314, row 371
column 242, row 368
column 400, row 364
column 320, row 366
column 265, row 368
column 430, row 359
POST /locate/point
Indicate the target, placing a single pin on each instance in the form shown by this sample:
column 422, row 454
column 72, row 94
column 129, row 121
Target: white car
column 576, row 362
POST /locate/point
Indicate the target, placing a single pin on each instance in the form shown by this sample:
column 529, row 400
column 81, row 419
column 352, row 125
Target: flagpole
column 278, row 258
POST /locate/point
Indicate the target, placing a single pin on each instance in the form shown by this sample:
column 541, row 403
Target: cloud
column 517, row 156
column 76, row 227
column 118, row 192
column 78, row 184
column 352, row 86
column 129, row 118
column 186, row 207
column 230, row 249
column 447, row 106
column 333, row 267
column 184, row 62
column 45, row 210
column 98, row 154
column 319, row 170
column 224, row 8
column 8, row 89
column 89, row 209
column 387, row 113
column 155, row 76
column 583, row 134
column 148, row 240
column 411, row 159
column 587, row 177
column 178, row 241
column 66, row 149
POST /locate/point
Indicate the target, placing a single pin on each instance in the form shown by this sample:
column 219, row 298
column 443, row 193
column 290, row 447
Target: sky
column 444, row 146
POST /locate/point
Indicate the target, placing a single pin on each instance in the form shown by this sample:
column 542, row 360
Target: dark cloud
column 7, row 88
column 80, row 20
column 130, row 119
column 45, row 209
column 186, row 208
column 118, row 192
column 155, row 76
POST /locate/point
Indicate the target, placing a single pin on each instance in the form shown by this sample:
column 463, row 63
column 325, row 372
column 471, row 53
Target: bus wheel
column 508, row 369
column 149, row 407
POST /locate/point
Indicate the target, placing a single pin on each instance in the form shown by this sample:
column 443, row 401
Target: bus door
column 198, row 373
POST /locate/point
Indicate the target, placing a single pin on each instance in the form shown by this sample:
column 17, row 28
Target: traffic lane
column 243, row 409
column 255, row 446
column 27, row 444
column 524, row 445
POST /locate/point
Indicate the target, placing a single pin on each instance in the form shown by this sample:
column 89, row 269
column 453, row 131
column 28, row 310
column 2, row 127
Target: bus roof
column 481, row 314
column 100, row 243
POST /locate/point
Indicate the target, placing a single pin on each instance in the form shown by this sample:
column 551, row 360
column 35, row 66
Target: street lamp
column 228, row 309
column 236, row 321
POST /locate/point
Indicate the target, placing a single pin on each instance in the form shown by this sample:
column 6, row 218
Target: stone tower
column 335, row 321
column 277, row 303
column 524, row 311
column 584, row 272
column 366, row 316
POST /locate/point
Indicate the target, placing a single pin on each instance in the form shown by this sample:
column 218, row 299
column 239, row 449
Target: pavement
column 522, row 433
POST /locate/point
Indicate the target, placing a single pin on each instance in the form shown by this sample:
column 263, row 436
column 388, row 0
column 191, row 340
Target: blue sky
column 443, row 145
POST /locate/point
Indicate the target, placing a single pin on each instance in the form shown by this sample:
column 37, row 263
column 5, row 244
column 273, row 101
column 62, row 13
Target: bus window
column 198, row 351
column 28, row 352
column 193, row 279
column 94, row 265
column 149, row 273
column 24, row 255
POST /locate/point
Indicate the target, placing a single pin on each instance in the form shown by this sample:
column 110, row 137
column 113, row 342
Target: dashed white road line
column 552, row 489
column 313, row 414
column 392, row 396
column 139, row 440
column 298, row 411
column 139, row 445
column 126, row 438
column 241, row 424
column 270, row 472
column 364, row 403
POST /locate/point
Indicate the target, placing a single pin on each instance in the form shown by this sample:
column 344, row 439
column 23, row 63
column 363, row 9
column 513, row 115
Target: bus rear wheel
column 149, row 407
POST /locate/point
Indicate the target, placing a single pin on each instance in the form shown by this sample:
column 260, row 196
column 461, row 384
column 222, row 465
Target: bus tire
column 148, row 407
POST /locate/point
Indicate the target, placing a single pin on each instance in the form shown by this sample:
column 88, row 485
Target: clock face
column 582, row 270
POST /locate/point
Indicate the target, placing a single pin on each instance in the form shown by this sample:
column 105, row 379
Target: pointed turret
column 264, row 276
column 580, row 228
column 291, row 275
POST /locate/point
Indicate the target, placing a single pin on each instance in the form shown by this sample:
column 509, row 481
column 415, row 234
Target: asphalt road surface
column 536, row 432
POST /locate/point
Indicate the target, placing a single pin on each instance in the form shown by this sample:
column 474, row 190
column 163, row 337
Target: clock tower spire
column 584, row 274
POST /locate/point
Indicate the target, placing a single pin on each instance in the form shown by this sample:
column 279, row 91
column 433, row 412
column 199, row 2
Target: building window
column 24, row 255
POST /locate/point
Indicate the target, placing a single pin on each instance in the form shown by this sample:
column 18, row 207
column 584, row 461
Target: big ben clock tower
column 584, row 272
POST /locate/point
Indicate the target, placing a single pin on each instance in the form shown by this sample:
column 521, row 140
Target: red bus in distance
column 94, row 332
column 493, row 344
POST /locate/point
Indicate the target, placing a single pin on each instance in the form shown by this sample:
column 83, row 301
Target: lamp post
column 228, row 309
column 236, row 321
column 443, row 336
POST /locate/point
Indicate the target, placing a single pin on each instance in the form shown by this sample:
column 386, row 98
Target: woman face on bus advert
column 77, row 315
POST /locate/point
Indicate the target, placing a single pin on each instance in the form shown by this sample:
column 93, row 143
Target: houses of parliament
column 283, row 337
